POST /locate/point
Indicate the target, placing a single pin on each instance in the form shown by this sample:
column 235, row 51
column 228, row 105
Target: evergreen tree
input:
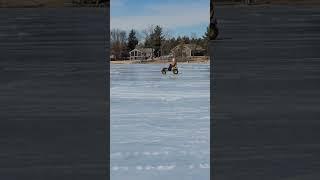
column 179, row 39
column 208, row 34
column 157, row 38
column 132, row 40
column 186, row 39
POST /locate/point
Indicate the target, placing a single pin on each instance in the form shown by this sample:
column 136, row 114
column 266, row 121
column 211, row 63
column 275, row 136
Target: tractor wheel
column 164, row 71
column 175, row 71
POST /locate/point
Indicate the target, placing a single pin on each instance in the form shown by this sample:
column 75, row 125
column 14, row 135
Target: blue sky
column 192, row 16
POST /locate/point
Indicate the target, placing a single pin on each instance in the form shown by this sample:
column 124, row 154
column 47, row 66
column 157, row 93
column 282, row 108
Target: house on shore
column 141, row 53
column 188, row 50
column 112, row 57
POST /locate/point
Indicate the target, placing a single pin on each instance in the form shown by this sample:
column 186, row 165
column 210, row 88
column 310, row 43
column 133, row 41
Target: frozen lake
column 160, row 123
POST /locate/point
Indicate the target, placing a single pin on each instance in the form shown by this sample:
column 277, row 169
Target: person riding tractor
column 173, row 65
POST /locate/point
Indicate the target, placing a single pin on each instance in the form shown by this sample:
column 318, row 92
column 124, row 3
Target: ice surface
column 160, row 123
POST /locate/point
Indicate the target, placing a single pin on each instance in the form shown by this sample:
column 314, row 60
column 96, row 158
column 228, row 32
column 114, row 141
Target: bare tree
column 165, row 43
column 147, row 36
column 179, row 51
column 146, row 33
column 123, row 37
column 118, row 42
column 195, row 44
column 193, row 36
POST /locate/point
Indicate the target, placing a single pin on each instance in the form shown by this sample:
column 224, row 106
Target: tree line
column 155, row 37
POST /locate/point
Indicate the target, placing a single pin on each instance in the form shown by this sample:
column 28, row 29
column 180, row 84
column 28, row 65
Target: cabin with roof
column 141, row 53
column 188, row 50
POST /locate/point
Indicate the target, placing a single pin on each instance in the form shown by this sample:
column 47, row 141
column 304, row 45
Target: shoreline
column 159, row 62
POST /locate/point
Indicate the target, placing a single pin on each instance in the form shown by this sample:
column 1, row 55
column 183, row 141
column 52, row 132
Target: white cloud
column 169, row 16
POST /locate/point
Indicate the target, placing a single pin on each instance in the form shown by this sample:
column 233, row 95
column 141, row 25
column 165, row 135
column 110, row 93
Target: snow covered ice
column 160, row 123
